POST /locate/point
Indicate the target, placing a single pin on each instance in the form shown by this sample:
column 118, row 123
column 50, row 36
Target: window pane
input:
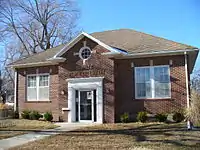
column 143, row 90
column 31, row 94
column 142, row 75
column 31, row 81
column 44, row 80
column 162, row 90
column 162, row 82
column 43, row 93
column 161, row 74
column 143, row 85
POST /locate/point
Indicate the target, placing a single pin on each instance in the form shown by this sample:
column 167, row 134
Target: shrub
column 124, row 118
column 25, row 114
column 193, row 112
column 48, row 116
column 178, row 117
column 142, row 116
column 161, row 117
column 3, row 106
column 34, row 115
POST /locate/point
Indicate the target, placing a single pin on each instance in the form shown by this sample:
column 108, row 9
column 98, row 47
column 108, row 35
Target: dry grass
column 8, row 134
column 122, row 136
column 24, row 125
column 14, row 127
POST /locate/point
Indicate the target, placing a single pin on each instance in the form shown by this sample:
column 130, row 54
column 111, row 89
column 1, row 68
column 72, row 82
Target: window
column 38, row 87
column 152, row 82
column 85, row 53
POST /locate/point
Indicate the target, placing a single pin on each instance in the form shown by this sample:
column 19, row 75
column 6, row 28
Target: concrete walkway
column 32, row 136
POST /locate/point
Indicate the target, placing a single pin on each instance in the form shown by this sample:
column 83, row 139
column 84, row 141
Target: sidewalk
column 29, row 137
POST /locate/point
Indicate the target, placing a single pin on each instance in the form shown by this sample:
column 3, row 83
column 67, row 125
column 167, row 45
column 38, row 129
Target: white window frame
column 37, row 85
column 152, row 82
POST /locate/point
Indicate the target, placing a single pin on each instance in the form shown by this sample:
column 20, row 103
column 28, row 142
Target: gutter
column 32, row 64
column 149, row 53
column 50, row 61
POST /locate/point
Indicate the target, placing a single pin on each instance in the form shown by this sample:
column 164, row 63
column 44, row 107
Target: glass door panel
column 85, row 106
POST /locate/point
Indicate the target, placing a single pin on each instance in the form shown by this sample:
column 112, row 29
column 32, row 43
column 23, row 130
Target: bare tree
column 31, row 26
column 39, row 24
column 195, row 81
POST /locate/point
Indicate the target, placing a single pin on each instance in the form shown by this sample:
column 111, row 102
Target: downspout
column 15, row 92
column 187, row 88
column 186, row 80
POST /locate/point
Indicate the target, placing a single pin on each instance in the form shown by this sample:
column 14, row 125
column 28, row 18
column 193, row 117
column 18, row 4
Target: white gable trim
column 78, row 38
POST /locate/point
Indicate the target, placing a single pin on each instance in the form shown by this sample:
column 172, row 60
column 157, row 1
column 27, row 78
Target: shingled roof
column 138, row 42
column 125, row 39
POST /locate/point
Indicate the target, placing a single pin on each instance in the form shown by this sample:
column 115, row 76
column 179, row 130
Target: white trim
column 90, row 83
column 152, row 82
column 90, row 79
column 186, row 80
column 79, row 107
column 78, row 38
column 148, row 54
column 65, row 109
column 15, row 92
column 46, row 63
column 37, row 75
column 57, row 59
column 81, row 50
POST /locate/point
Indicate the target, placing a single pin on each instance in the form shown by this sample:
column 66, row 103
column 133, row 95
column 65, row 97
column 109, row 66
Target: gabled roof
column 122, row 41
column 138, row 42
column 79, row 37
column 41, row 57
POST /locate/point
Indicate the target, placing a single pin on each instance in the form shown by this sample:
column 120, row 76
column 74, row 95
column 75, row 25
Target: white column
column 100, row 104
column 15, row 92
column 71, row 105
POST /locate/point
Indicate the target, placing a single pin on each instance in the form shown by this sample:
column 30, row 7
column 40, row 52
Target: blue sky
column 177, row 20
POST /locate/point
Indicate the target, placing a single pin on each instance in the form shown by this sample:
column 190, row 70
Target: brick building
column 97, row 77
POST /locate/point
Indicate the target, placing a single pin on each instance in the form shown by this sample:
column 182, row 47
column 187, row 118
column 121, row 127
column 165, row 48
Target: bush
column 142, row 116
column 3, row 106
column 178, row 117
column 161, row 117
column 193, row 112
column 25, row 114
column 124, row 118
column 48, row 116
column 35, row 115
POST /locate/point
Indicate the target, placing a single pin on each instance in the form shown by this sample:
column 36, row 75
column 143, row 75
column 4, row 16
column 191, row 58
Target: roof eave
column 57, row 59
column 148, row 54
column 38, row 64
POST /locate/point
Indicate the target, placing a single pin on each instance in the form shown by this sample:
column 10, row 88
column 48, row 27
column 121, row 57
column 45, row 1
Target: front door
column 86, row 105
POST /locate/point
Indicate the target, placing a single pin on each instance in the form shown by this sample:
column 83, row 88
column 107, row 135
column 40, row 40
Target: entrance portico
column 85, row 99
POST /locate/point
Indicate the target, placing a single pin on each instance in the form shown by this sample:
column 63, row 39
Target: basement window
column 152, row 82
column 38, row 87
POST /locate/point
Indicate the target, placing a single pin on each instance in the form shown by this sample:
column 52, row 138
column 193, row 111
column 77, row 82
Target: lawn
column 122, row 136
column 13, row 127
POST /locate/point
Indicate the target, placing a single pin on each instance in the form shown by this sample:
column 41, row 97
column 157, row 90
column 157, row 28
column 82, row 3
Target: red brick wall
column 124, row 87
column 96, row 66
column 117, row 98
column 42, row 107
